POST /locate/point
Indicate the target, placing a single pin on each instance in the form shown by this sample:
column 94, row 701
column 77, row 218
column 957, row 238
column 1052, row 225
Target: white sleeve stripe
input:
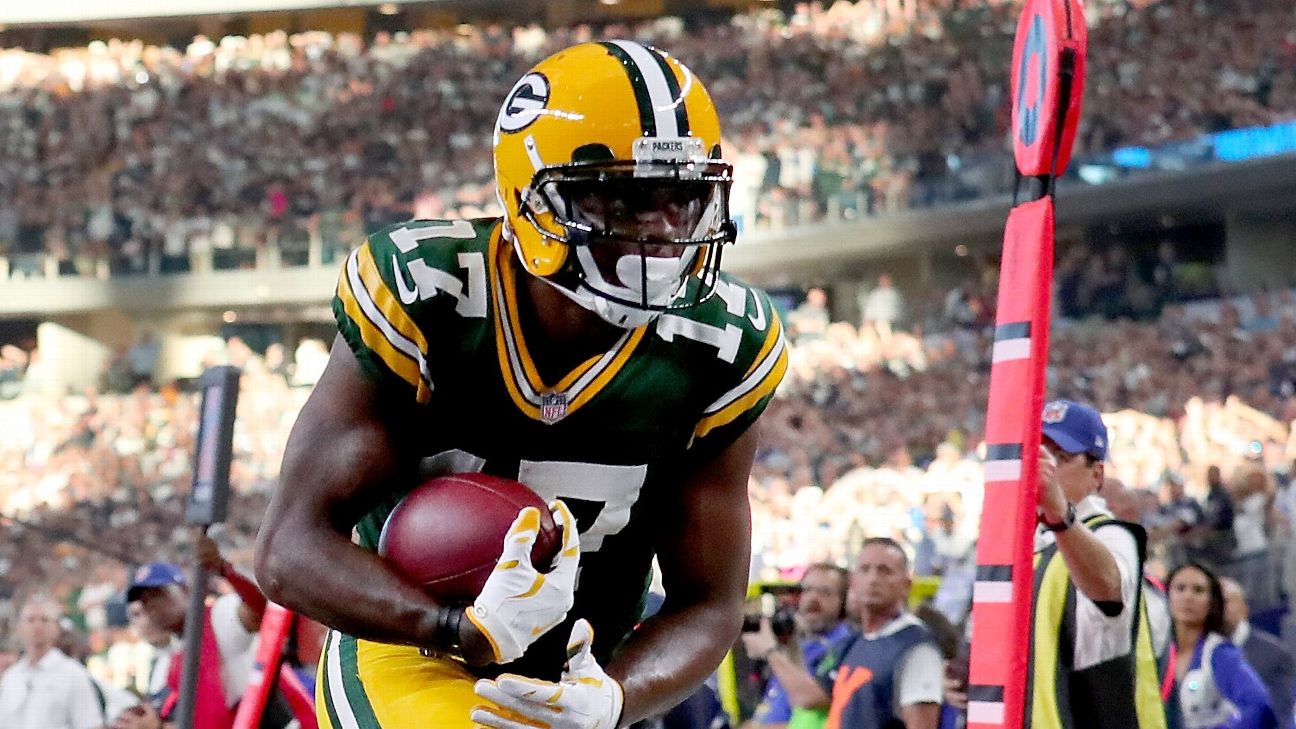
column 370, row 309
column 752, row 381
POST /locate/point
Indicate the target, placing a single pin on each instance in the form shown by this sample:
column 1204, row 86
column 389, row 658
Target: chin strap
column 626, row 317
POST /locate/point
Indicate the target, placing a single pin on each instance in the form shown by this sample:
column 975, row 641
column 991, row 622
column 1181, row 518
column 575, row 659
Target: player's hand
column 585, row 698
column 519, row 603
column 1051, row 503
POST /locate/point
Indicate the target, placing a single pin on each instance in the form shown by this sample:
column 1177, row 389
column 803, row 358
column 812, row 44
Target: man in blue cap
column 229, row 628
column 1091, row 664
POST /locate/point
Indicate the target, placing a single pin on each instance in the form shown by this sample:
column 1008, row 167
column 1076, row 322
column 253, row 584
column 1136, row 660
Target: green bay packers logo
column 525, row 103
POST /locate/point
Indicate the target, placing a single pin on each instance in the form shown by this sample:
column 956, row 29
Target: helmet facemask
column 638, row 232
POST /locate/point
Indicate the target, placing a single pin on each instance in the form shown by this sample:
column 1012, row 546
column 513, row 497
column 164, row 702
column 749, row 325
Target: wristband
column 1067, row 521
column 446, row 640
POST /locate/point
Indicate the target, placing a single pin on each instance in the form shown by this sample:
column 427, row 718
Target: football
column 447, row 534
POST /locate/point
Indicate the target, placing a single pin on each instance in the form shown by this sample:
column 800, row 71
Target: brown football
column 447, row 534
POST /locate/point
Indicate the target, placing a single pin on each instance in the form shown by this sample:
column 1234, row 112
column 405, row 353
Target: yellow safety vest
column 1120, row 693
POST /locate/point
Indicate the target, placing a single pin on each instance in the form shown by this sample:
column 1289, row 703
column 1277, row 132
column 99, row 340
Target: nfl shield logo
column 1054, row 412
column 553, row 407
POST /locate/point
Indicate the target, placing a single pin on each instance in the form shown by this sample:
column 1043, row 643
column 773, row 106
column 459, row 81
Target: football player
column 586, row 345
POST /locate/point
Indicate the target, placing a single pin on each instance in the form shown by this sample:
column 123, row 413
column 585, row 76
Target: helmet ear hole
column 592, row 154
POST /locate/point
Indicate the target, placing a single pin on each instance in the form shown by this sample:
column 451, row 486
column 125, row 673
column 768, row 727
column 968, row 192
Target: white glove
column 519, row 604
column 585, row 698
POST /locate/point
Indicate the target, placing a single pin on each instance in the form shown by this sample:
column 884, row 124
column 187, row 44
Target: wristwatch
column 1065, row 524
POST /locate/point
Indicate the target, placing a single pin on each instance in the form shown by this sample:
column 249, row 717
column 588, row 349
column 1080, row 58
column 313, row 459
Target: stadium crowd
column 92, row 482
column 832, row 113
column 858, row 108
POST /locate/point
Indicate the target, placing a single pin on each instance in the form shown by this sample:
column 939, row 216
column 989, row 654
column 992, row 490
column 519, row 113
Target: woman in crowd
column 1213, row 688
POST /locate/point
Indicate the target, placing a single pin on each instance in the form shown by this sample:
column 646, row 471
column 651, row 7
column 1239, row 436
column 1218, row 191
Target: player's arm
column 704, row 553
column 344, row 454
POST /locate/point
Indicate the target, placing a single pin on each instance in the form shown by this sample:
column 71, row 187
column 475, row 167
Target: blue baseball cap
column 1075, row 428
column 154, row 574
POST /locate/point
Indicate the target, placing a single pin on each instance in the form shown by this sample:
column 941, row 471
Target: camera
column 778, row 605
column 782, row 623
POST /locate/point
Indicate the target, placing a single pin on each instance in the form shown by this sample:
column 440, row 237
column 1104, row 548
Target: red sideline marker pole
column 275, row 627
column 1047, row 85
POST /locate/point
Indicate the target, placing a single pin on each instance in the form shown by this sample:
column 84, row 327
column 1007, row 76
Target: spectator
column 888, row 673
column 1086, row 558
column 1214, row 688
column 1218, row 540
column 1267, row 655
column 819, row 135
column 1125, row 505
column 46, row 689
column 882, row 307
column 141, row 359
column 227, row 643
column 112, row 700
column 1180, row 518
column 1253, row 495
column 809, row 321
column 165, row 645
column 821, row 622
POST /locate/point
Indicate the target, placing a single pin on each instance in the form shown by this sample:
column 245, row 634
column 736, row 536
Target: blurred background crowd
column 875, row 432
column 832, row 113
column 125, row 158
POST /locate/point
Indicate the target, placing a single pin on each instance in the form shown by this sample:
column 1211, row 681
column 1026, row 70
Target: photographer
column 819, row 622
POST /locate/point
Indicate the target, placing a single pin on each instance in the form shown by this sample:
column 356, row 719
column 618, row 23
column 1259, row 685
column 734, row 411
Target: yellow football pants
column 366, row 685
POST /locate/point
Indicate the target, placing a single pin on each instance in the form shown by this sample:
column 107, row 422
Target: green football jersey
column 430, row 309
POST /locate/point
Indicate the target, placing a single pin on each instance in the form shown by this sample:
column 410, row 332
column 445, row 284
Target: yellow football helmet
column 609, row 170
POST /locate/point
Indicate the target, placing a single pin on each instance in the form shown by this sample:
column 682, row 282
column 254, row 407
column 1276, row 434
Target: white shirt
column 237, row 646
column 162, row 666
column 116, row 700
column 919, row 674
column 54, row 693
column 1249, row 525
column 1098, row 637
